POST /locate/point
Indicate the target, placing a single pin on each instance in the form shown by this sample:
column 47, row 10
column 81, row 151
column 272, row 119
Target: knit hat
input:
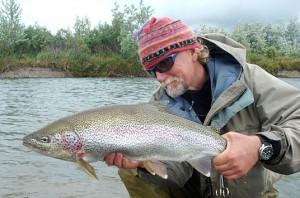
column 160, row 37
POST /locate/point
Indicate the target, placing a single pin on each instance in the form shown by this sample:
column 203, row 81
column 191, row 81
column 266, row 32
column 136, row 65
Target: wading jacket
column 245, row 99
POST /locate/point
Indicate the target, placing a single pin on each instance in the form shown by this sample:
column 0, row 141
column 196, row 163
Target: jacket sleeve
column 278, row 107
column 178, row 175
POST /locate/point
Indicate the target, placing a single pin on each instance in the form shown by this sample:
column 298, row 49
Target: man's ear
column 194, row 55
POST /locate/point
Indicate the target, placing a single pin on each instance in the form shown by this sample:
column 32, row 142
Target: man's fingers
column 118, row 160
column 109, row 159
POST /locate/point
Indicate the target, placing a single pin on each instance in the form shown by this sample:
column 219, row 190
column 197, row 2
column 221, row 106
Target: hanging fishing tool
column 222, row 191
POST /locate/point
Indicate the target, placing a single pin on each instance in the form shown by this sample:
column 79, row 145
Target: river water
column 28, row 104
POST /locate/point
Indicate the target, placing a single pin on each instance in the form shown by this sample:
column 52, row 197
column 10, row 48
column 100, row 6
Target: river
column 28, row 104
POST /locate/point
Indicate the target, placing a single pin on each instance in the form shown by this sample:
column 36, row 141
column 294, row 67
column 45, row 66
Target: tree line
column 110, row 49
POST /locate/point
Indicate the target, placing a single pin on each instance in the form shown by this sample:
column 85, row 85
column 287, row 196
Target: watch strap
column 263, row 139
column 266, row 144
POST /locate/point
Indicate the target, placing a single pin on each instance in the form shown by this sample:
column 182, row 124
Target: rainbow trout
column 143, row 132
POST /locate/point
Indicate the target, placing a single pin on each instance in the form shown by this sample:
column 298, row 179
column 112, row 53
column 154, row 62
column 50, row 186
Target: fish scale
column 144, row 132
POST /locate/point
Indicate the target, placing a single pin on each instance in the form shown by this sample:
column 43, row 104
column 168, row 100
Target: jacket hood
column 226, row 44
column 225, row 63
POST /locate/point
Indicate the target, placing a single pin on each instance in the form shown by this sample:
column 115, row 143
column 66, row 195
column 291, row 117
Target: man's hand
column 239, row 157
column 118, row 160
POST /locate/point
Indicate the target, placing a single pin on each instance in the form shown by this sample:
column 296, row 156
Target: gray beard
column 174, row 91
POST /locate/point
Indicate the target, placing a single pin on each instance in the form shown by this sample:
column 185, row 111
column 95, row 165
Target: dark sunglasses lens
column 164, row 65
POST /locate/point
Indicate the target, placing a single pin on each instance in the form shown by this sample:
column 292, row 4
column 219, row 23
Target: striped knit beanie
column 160, row 37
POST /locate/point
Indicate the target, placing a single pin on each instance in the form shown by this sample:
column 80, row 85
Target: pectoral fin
column 87, row 168
column 202, row 165
column 156, row 168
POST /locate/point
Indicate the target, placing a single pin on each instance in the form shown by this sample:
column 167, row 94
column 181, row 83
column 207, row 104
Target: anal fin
column 156, row 168
column 202, row 165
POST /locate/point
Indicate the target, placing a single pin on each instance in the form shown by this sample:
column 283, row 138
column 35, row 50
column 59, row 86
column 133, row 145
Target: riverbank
column 53, row 72
column 33, row 72
column 288, row 74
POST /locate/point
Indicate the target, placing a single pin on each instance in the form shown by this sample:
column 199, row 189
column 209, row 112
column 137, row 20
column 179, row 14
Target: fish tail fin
column 87, row 168
column 202, row 165
column 156, row 168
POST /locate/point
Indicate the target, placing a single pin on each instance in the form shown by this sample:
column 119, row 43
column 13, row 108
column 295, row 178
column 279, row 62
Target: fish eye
column 45, row 139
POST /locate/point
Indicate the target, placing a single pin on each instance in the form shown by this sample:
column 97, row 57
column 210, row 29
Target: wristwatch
column 266, row 150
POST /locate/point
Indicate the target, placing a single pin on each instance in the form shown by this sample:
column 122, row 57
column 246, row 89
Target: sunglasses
column 163, row 66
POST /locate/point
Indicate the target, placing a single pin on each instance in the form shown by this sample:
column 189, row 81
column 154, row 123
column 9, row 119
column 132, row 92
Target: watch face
column 266, row 153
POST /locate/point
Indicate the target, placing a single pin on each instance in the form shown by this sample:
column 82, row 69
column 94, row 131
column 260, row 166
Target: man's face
column 177, row 80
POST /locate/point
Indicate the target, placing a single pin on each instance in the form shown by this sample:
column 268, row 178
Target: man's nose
column 161, row 77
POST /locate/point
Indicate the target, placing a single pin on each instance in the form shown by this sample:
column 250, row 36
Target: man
column 207, row 80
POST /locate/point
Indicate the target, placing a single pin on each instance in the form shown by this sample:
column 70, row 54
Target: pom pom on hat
column 160, row 37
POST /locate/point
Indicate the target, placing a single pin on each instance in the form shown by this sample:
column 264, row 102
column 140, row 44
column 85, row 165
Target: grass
column 114, row 65
column 78, row 64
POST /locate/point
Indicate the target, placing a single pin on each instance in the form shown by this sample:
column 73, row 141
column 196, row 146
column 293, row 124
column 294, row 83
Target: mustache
column 169, row 81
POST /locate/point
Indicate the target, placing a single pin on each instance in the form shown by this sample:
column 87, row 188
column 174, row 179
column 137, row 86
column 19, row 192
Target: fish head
column 56, row 142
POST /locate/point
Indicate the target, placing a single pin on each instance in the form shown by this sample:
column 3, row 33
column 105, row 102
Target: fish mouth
column 31, row 144
column 26, row 141
column 28, row 145
column 31, row 147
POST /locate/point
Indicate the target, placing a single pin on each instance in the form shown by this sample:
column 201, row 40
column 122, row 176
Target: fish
column 146, row 132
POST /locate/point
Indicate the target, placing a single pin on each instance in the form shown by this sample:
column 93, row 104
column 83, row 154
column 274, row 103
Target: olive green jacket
column 254, row 102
